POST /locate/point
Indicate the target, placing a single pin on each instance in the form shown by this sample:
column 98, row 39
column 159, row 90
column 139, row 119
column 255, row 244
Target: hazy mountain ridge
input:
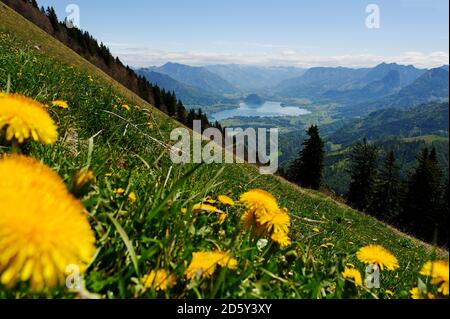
column 190, row 95
column 428, row 119
column 199, row 77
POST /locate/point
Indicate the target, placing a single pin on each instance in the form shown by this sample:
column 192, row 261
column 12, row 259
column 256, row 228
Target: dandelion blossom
column 204, row 263
column 43, row 228
column 24, row 118
column 225, row 200
column 439, row 272
column 83, row 178
column 61, row 104
column 378, row 255
column 159, row 280
column 263, row 212
column 198, row 208
column 353, row 274
column 132, row 197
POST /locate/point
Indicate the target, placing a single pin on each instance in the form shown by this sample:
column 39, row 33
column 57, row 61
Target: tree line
column 99, row 54
column 417, row 205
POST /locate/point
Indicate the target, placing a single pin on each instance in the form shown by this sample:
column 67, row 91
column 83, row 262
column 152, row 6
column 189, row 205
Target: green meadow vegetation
column 142, row 208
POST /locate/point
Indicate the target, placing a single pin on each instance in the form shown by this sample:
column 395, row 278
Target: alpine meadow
column 93, row 207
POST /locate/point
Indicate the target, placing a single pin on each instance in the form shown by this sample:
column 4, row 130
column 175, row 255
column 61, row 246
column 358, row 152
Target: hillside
column 198, row 77
column 190, row 95
column 137, row 197
column 432, row 86
column 427, row 119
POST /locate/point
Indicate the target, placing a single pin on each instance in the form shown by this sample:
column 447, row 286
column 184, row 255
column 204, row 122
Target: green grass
column 134, row 238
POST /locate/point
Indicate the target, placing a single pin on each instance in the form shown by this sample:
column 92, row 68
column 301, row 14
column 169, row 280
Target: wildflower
column 26, row 118
column 225, row 200
column 198, row 208
column 281, row 238
column 184, row 211
column 439, row 272
column 61, row 104
column 316, row 230
column 126, row 107
column 83, row 178
column 205, row 263
column 132, row 197
column 159, row 280
column 378, row 255
column 263, row 212
column 119, row 191
column 390, row 293
column 417, row 293
column 222, row 218
column 43, row 228
column 353, row 274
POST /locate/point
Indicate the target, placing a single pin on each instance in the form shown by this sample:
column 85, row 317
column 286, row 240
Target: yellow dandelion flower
column 43, row 228
column 222, row 218
column 119, row 191
column 83, row 178
column 132, row 197
column 263, row 212
column 225, row 200
column 439, row 272
column 198, row 208
column 378, row 255
column 417, row 294
column 281, row 238
column 204, row 263
column 61, row 104
column 159, row 280
column 274, row 221
column 184, row 211
column 353, row 274
column 390, row 293
column 26, row 118
column 126, row 107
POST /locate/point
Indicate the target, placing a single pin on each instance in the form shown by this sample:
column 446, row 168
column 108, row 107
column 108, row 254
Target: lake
column 268, row 109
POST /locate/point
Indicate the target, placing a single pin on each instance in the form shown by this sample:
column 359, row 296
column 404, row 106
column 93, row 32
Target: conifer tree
column 423, row 201
column 386, row 203
column 307, row 170
column 363, row 170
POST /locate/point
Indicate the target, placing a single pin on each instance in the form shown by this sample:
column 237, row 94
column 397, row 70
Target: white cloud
column 141, row 57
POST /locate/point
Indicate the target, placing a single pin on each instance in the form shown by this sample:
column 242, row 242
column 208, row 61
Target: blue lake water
column 268, row 109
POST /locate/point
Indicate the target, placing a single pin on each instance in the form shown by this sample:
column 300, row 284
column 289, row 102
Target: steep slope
column 196, row 76
column 126, row 148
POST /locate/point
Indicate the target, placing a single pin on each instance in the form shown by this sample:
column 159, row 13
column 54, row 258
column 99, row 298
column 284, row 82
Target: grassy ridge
column 128, row 153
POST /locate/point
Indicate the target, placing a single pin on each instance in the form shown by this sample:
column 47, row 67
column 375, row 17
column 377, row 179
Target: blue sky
column 271, row 32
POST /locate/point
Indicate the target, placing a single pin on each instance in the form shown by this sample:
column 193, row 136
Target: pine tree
column 423, row 201
column 363, row 170
column 307, row 170
column 386, row 204
column 51, row 14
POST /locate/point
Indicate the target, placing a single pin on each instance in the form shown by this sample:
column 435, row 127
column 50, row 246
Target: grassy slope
column 140, row 164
